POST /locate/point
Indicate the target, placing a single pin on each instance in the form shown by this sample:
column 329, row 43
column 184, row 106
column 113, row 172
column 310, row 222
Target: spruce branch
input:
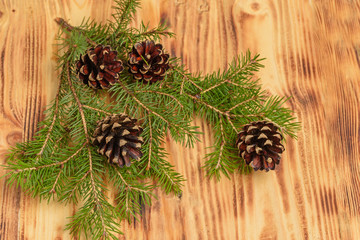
column 223, row 142
column 124, row 12
column 161, row 93
column 228, row 100
column 178, row 130
column 56, row 145
column 56, row 181
column 185, row 78
column 131, row 193
column 79, row 105
column 168, row 178
column 97, row 110
column 154, row 33
column 214, row 86
column 52, row 122
column 241, row 103
column 77, row 185
column 52, row 164
column 232, row 124
column 227, row 113
column 143, row 32
column 93, row 185
column 150, row 143
column 129, row 187
column 153, row 163
column 61, row 161
column 64, row 24
column 70, row 28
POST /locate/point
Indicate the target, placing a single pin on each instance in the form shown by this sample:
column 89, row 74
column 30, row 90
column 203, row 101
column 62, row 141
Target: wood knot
column 204, row 7
column 252, row 7
column 255, row 6
column 14, row 137
column 178, row 2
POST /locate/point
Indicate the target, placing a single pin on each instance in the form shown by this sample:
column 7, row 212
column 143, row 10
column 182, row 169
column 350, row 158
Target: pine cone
column 99, row 68
column 117, row 137
column 259, row 145
column 148, row 62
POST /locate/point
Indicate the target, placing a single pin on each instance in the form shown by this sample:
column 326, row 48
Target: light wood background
column 312, row 49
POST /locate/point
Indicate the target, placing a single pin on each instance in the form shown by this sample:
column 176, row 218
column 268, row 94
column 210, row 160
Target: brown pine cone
column 117, row 137
column 148, row 62
column 259, row 145
column 99, row 68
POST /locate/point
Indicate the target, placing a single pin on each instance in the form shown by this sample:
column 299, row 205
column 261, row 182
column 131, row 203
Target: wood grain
column 312, row 51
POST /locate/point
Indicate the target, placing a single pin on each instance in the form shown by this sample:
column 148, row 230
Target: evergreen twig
column 62, row 161
column 70, row 28
column 150, row 143
column 223, row 142
column 52, row 164
column 81, row 111
column 151, row 111
column 52, row 122
column 97, row 110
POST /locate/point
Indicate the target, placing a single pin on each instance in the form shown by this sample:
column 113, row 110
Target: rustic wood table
column 312, row 53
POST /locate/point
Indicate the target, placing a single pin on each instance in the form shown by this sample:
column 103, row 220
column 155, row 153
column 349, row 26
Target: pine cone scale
column 134, row 69
column 84, row 70
column 99, row 139
column 116, row 156
column 139, row 48
column 117, row 67
column 275, row 149
column 125, row 157
column 134, row 138
column 149, row 46
column 256, row 162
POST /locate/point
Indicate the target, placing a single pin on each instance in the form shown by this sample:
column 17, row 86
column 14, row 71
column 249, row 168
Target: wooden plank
column 312, row 50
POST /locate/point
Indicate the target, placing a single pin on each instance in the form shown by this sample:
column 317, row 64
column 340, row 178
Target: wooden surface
column 312, row 49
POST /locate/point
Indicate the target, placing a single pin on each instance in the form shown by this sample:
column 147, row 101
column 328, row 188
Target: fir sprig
column 61, row 163
column 228, row 100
